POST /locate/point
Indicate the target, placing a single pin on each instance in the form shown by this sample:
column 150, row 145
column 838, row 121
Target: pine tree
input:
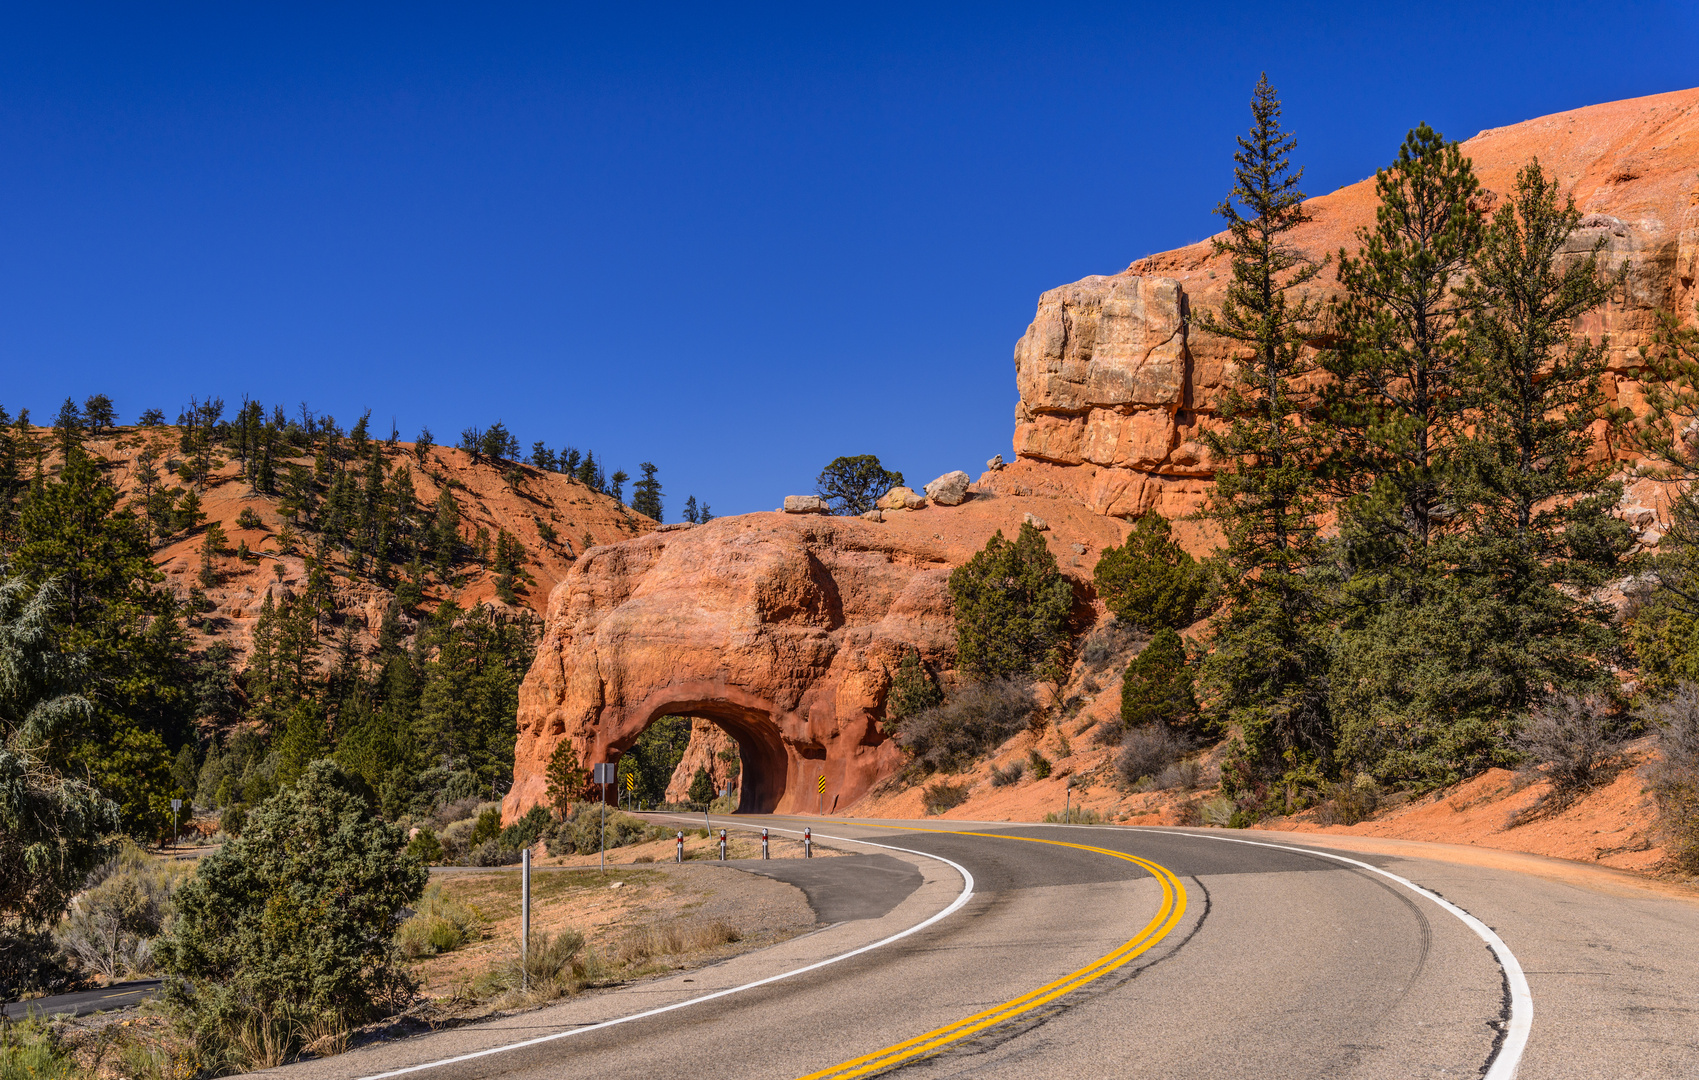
column 563, row 778
column 912, row 689
column 68, row 427
column 1395, row 411
column 701, row 787
column 1412, row 693
column 1011, row 609
column 1150, row 581
column 1439, row 685
column 98, row 414
column 707, row 514
column 422, row 445
column 1157, row 688
column 445, row 531
column 690, row 512
column 1267, row 675
column 616, row 485
column 854, row 484
column 646, row 493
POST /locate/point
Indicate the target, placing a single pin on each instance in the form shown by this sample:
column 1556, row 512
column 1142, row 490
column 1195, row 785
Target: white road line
column 1508, row 1057
column 955, row 905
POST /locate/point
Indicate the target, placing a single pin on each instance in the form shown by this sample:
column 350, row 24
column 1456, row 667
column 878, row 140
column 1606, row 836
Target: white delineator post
column 807, row 843
column 764, row 843
column 525, row 920
column 681, row 845
column 722, row 845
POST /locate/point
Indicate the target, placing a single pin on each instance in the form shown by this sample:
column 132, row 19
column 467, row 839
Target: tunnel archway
column 764, row 770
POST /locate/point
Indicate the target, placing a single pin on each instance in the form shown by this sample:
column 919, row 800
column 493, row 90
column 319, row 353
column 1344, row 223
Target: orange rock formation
column 1115, row 386
column 784, row 630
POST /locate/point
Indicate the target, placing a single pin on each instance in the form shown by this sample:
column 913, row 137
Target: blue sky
column 736, row 243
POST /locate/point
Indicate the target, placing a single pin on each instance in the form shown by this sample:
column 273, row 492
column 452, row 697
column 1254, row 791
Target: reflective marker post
column 764, row 843
column 681, row 845
column 807, row 843
column 722, row 845
column 1068, row 803
column 525, row 920
column 176, row 832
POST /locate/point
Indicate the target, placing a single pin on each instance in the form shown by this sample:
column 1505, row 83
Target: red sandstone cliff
column 1114, row 385
column 785, row 629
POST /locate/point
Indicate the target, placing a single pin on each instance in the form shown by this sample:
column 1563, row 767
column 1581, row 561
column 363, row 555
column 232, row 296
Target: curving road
column 1040, row 951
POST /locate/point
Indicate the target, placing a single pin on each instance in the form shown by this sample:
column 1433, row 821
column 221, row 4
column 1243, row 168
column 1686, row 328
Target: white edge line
column 955, row 905
column 1509, row 1054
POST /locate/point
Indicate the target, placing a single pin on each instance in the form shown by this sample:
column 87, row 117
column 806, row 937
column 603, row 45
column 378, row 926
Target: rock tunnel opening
column 763, row 767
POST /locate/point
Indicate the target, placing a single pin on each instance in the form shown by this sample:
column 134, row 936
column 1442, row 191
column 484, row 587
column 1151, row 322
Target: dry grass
column 671, row 939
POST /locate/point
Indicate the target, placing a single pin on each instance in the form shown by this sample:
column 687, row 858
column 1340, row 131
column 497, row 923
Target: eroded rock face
column 782, row 629
column 1117, row 384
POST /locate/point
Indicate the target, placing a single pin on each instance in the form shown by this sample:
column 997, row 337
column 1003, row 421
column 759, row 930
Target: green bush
column 425, row 847
column 581, row 832
column 1149, row 581
column 440, row 923
column 701, row 787
column 912, row 689
column 32, row 1050
column 1039, row 764
column 1157, row 688
column 232, row 820
column 528, row 829
column 488, row 826
column 1012, row 606
column 292, row 924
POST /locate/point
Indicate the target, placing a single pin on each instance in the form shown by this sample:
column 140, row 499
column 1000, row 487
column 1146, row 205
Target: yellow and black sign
column 821, row 786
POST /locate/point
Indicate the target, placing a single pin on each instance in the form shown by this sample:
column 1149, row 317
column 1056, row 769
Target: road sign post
column 176, row 831
column 603, row 774
column 820, row 786
column 1068, row 803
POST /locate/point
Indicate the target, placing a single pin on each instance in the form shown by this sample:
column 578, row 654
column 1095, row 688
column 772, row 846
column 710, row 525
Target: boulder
column 949, row 489
column 873, row 515
column 1036, row 522
column 994, row 464
column 806, row 504
column 901, row 498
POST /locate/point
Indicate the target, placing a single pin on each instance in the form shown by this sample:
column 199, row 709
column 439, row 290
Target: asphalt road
column 116, row 996
column 1097, row 952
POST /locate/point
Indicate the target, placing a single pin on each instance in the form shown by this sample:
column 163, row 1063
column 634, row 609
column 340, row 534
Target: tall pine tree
column 1267, row 676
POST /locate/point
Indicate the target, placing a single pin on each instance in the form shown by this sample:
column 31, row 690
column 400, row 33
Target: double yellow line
column 1168, row 915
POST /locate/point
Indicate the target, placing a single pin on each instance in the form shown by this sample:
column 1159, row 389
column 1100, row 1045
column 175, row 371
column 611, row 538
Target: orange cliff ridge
column 785, row 628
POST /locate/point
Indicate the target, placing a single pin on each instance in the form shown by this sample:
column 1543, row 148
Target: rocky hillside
column 555, row 517
column 1116, row 384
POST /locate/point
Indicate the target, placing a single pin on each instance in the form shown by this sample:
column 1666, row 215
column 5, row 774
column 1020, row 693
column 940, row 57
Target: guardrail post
column 807, row 843
column 764, row 843
column 681, row 845
column 722, row 845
